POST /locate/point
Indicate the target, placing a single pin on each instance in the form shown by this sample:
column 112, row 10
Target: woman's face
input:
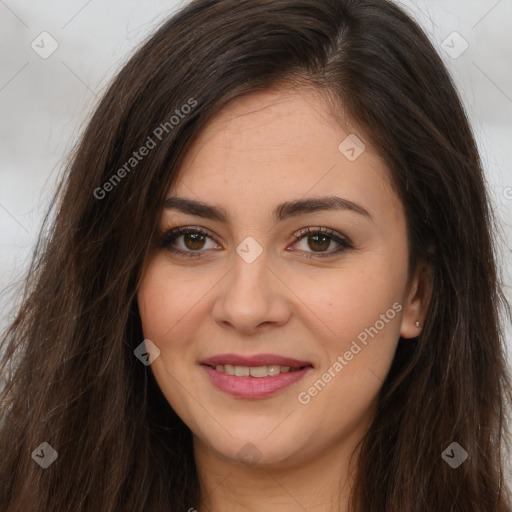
column 243, row 286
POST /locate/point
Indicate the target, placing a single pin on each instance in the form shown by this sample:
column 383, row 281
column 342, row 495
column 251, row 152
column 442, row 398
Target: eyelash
column 168, row 239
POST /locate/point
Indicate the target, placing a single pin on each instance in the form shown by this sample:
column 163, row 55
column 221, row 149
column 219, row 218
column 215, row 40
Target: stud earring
column 418, row 323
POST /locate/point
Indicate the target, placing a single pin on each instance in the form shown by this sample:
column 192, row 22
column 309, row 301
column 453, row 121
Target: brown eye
column 318, row 240
column 193, row 241
column 187, row 241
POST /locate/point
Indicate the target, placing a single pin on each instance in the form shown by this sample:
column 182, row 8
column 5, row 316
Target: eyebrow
column 281, row 212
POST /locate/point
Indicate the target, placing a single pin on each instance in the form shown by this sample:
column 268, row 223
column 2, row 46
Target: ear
column 417, row 299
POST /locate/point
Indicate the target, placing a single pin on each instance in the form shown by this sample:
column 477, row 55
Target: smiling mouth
column 270, row 370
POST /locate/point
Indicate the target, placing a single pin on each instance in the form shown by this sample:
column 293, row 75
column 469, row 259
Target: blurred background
column 57, row 57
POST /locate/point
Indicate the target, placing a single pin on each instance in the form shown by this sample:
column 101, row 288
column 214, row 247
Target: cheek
column 343, row 302
column 357, row 312
column 362, row 313
column 169, row 304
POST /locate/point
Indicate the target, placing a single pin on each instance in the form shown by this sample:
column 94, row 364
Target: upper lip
column 254, row 361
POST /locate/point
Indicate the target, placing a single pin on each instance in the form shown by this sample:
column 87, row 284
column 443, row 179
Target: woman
column 269, row 283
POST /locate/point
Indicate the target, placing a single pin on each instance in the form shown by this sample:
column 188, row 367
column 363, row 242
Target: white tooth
column 230, row 370
column 274, row 369
column 242, row 371
column 258, row 371
column 253, row 371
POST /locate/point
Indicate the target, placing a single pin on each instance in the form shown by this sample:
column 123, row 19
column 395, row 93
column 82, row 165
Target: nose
column 252, row 297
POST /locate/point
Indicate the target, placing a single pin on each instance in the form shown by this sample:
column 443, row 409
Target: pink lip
column 256, row 360
column 253, row 387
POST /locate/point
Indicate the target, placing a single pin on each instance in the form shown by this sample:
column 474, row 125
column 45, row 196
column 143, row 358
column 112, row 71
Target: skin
column 262, row 150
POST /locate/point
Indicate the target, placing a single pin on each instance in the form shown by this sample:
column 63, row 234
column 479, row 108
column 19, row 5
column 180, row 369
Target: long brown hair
column 71, row 377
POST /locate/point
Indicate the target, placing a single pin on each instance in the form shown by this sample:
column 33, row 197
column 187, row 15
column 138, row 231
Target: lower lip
column 253, row 387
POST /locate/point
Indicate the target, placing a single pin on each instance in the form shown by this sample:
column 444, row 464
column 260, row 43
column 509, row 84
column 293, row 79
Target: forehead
column 273, row 146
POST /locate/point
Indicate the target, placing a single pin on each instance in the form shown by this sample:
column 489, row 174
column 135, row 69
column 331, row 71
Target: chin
column 254, row 450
